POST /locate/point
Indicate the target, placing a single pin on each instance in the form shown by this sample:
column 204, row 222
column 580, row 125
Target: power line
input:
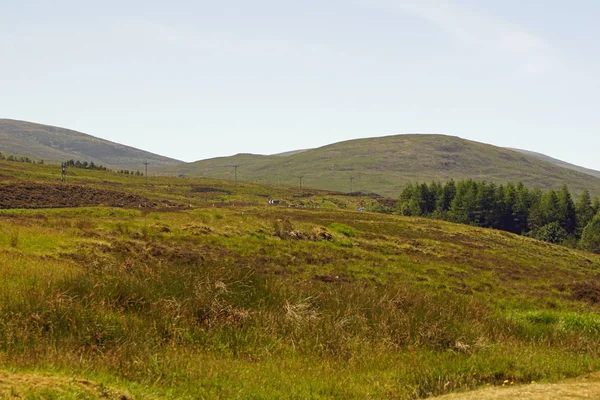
column 236, row 169
column 146, row 171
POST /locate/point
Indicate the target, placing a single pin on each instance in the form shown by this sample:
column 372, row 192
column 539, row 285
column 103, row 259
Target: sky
column 200, row 79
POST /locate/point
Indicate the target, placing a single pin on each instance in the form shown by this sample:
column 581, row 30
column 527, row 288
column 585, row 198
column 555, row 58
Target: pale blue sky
column 200, row 79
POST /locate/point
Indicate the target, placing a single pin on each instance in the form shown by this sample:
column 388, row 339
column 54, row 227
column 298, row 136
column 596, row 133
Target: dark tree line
column 85, row 165
column 128, row 172
column 551, row 215
column 19, row 159
column 99, row 167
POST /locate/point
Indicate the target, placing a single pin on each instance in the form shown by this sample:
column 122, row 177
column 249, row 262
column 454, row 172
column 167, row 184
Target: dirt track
column 587, row 387
column 36, row 195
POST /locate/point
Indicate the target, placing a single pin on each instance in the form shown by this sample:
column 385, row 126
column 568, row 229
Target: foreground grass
column 278, row 303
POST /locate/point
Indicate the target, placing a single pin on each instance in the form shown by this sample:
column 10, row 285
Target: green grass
column 264, row 302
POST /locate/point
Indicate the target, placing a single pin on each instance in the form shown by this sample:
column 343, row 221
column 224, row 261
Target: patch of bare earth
column 15, row 386
column 37, row 195
column 587, row 387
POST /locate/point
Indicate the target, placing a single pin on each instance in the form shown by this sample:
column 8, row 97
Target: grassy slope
column 58, row 144
column 560, row 163
column 383, row 165
column 253, row 301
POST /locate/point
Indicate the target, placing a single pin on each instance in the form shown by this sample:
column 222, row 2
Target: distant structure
column 236, row 168
column 63, row 172
column 146, row 171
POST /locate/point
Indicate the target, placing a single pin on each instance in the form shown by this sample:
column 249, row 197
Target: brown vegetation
column 48, row 195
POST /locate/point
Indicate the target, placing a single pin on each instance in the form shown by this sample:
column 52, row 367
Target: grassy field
column 203, row 291
column 384, row 165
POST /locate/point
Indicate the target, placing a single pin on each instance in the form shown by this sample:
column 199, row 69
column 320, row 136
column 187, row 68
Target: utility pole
column 300, row 181
column 236, row 168
column 146, row 171
column 351, row 179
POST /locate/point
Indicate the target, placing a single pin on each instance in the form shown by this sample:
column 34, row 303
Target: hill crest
column 59, row 144
column 385, row 164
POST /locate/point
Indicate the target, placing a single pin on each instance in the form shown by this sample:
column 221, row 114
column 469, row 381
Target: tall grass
column 145, row 310
column 262, row 307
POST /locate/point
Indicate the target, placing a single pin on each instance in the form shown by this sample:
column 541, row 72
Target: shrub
column 552, row 233
column 343, row 229
column 590, row 239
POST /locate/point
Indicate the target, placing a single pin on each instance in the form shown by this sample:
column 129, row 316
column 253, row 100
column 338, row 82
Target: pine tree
column 486, row 202
column 584, row 211
column 535, row 217
column 508, row 217
column 551, row 211
column 405, row 200
column 596, row 205
column 590, row 239
column 464, row 204
column 521, row 208
column 567, row 214
column 445, row 199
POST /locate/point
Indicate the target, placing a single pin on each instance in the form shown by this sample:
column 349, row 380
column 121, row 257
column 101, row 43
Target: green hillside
column 58, row 144
column 383, row 165
column 560, row 163
column 185, row 288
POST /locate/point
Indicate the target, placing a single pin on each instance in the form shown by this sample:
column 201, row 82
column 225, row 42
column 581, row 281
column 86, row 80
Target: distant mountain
column 58, row 144
column 383, row 165
column 560, row 163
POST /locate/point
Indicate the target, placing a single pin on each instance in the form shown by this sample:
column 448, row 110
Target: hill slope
column 383, row 165
column 560, row 163
column 51, row 143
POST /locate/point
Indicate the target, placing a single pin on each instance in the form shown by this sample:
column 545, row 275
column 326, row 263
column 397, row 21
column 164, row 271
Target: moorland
column 122, row 286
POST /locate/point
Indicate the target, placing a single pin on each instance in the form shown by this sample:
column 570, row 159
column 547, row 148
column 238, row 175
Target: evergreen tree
column 535, row 218
column 509, row 204
column 552, row 233
column 445, row 198
column 464, row 204
column 521, row 208
column 596, row 205
column 405, row 200
column 584, row 211
column 486, row 203
column 590, row 239
column 567, row 214
column 551, row 210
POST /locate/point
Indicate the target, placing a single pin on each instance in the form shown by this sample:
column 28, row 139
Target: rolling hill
column 383, row 165
column 560, row 163
column 58, row 144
